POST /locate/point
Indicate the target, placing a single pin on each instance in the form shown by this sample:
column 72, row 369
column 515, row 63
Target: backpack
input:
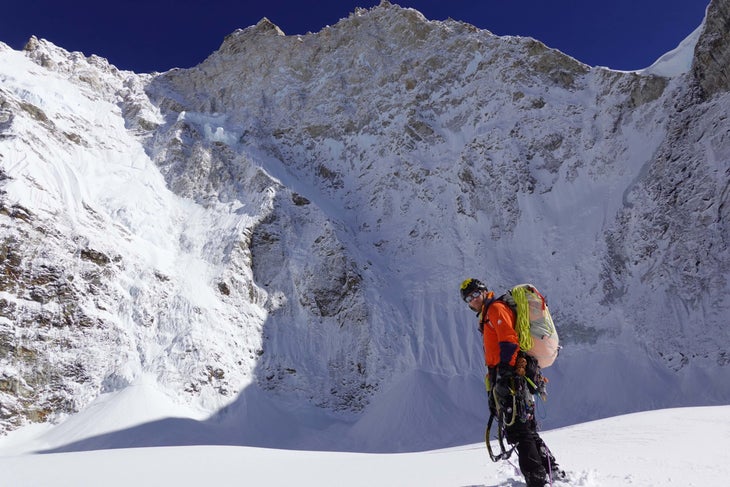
column 534, row 325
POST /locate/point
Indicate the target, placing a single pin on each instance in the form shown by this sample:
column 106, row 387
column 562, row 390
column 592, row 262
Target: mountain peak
column 265, row 26
column 237, row 40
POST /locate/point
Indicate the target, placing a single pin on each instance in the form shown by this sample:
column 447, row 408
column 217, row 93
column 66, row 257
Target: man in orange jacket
column 510, row 397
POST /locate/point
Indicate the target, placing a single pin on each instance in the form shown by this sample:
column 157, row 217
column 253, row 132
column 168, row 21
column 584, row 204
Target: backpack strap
column 484, row 318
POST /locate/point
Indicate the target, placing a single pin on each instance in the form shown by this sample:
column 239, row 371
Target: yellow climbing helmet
column 470, row 285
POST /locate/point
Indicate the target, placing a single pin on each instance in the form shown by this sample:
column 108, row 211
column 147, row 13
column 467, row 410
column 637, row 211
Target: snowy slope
column 684, row 447
column 107, row 254
column 277, row 235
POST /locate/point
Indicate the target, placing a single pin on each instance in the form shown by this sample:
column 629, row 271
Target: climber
column 511, row 397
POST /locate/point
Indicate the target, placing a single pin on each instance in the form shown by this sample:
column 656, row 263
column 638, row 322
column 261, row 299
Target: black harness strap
column 504, row 453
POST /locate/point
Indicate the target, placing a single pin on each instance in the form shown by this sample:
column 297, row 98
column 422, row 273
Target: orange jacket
column 497, row 324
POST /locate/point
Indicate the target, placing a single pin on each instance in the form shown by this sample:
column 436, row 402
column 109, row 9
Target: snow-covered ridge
column 290, row 220
column 678, row 61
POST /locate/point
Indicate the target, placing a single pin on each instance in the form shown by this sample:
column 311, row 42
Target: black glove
column 505, row 372
column 504, row 383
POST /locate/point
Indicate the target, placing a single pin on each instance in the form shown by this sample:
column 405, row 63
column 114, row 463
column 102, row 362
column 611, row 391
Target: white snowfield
column 681, row 447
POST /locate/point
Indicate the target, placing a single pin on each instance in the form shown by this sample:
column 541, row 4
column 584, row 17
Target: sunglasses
column 472, row 296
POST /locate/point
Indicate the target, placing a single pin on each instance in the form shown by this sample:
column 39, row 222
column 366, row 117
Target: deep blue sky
column 156, row 35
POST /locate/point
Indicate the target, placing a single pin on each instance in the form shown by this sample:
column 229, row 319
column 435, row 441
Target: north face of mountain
column 295, row 214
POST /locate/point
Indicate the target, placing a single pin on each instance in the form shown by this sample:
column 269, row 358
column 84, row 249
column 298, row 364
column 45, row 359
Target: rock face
column 712, row 54
column 45, row 324
column 295, row 214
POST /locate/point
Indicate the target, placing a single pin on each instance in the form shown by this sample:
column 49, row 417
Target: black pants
column 535, row 458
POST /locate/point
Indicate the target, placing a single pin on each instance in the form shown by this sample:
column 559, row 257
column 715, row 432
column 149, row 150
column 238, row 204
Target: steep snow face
column 447, row 151
column 668, row 247
column 107, row 275
column 296, row 213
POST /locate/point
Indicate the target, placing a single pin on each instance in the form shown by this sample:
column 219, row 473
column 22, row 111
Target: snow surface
column 673, row 447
